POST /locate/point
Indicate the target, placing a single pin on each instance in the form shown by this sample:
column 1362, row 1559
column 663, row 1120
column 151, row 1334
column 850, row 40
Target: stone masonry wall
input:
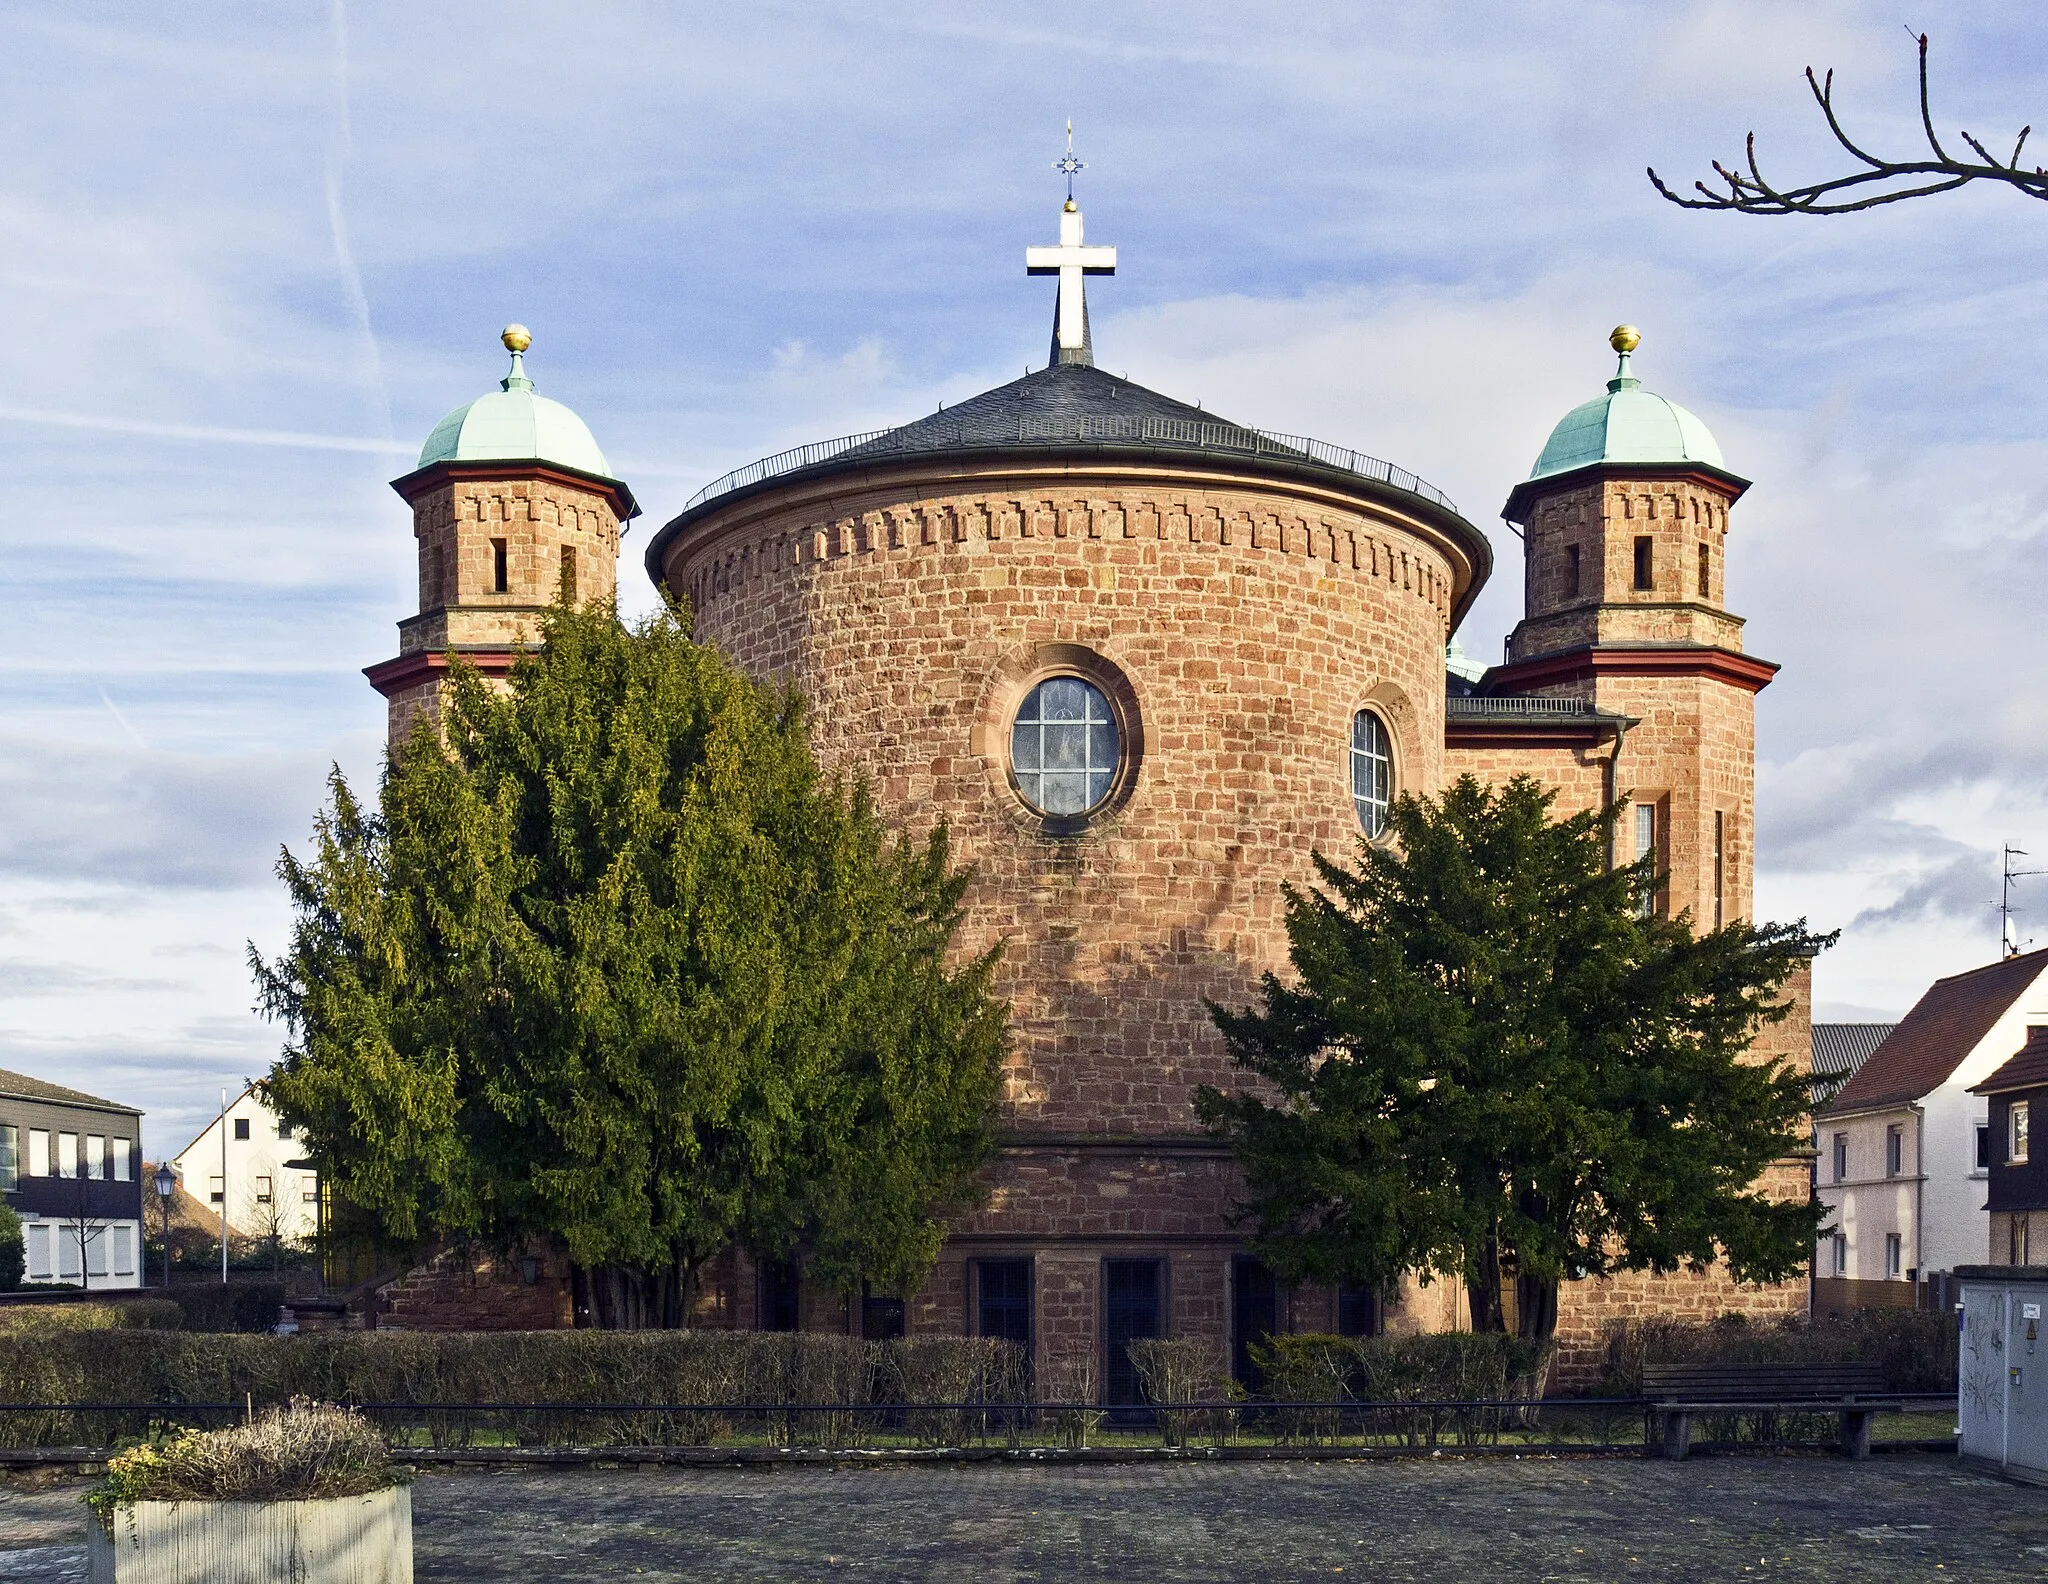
column 1242, row 627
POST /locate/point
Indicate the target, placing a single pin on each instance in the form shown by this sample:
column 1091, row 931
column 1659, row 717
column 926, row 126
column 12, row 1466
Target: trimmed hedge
column 664, row 1369
column 1915, row 1347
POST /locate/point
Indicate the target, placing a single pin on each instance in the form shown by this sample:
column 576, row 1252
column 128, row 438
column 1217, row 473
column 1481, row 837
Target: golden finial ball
column 517, row 338
column 1625, row 338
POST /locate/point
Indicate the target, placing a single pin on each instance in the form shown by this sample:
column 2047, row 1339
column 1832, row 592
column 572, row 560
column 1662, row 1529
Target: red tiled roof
column 2027, row 1070
column 1943, row 1028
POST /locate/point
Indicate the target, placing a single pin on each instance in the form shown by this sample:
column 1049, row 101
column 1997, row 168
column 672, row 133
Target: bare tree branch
column 1882, row 181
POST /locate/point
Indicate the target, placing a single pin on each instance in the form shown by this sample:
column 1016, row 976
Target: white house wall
column 251, row 1162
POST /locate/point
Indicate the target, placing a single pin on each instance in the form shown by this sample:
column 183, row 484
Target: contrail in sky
column 338, row 149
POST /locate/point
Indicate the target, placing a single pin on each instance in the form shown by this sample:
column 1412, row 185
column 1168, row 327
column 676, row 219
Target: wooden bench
column 1677, row 1392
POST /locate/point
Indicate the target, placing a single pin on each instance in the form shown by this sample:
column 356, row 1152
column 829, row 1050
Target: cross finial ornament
column 1067, row 165
column 1071, row 261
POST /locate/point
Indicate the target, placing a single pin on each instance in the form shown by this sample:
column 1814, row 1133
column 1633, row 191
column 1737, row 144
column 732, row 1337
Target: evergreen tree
column 1492, row 1065
column 611, row 963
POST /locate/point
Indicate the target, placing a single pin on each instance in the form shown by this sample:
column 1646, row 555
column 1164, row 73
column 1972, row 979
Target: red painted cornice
column 415, row 484
column 1591, row 732
column 409, row 670
column 1577, row 665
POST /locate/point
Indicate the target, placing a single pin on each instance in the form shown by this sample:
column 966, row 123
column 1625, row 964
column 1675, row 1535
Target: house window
column 1983, row 1146
column 2017, row 1252
column 1839, row 1245
column 1004, row 1299
column 2016, row 1134
column 1705, row 562
column 263, row 1190
column 67, row 1154
column 42, row 1264
column 241, row 1128
column 499, row 581
column 1571, row 570
column 1254, row 1314
column 1644, row 581
column 778, row 1300
column 1841, row 1157
column 10, row 1157
column 569, row 573
column 68, row 1268
column 1894, row 1150
column 96, row 1157
column 217, row 1190
column 1372, row 772
column 1358, row 1311
column 881, row 1319
column 124, row 1250
column 1646, row 848
column 1894, row 1255
column 1132, row 1312
column 284, row 1129
column 39, row 1152
column 117, row 1153
column 1064, row 747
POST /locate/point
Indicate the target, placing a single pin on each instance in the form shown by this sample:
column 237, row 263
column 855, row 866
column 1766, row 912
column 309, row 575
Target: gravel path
column 1897, row 1517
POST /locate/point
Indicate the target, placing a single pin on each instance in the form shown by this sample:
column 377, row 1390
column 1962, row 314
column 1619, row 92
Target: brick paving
column 1559, row 1521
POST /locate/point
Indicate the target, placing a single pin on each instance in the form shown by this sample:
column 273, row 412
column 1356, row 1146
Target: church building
column 1145, row 661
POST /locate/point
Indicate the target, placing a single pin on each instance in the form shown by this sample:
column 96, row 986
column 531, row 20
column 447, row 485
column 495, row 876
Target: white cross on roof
column 1070, row 261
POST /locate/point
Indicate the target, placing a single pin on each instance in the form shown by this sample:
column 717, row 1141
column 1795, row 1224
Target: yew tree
column 1490, row 1063
column 611, row 964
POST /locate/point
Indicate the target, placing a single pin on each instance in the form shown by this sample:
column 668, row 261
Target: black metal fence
column 1534, row 1426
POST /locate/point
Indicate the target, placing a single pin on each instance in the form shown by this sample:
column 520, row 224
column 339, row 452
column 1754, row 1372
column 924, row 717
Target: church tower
column 1625, row 524
column 513, row 504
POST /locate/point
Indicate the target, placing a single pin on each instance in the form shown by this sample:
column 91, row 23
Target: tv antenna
column 2008, row 945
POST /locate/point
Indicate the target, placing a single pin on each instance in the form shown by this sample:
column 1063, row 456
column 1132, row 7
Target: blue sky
column 249, row 256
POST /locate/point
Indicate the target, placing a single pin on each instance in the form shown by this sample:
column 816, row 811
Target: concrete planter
column 340, row 1540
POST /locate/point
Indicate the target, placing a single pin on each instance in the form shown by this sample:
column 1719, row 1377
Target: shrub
column 1309, row 1369
column 298, row 1453
column 238, row 1306
column 13, row 1249
column 951, row 1370
column 152, row 1314
column 1174, row 1372
column 1915, row 1348
column 1069, row 1389
column 43, row 1319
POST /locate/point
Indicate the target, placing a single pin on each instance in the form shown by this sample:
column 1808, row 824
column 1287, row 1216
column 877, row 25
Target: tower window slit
column 1644, row 580
column 499, row 581
column 1706, row 564
column 1571, row 570
column 569, row 573
column 1720, row 863
column 437, row 579
column 1646, row 848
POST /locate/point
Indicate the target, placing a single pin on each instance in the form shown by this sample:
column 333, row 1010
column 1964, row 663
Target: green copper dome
column 512, row 424
column 1627, row 425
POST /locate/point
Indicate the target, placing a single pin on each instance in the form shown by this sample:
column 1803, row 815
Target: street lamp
column 166, row 1185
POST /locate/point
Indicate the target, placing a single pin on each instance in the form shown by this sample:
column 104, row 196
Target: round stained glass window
column 1372, row 771
column 1063, row 746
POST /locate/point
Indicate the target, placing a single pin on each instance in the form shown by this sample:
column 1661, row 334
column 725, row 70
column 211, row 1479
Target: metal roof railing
column 928, row 438
column 1519, row 704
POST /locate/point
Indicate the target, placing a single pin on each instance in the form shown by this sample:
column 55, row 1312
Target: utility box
column 2002, row 1374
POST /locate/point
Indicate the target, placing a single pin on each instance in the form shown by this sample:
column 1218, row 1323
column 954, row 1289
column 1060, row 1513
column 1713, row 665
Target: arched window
column 1372, row 771
column 1063, row 746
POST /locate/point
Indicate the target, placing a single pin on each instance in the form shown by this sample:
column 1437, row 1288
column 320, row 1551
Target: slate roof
column 1840, row 1049
column 2027, row 1070
column 1063, row 392
column 23, row 1087
column 1944, row 1026
column 1075, row 408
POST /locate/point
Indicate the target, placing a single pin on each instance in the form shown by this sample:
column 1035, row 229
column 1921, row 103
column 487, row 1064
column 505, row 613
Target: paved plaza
column 1905, row 1517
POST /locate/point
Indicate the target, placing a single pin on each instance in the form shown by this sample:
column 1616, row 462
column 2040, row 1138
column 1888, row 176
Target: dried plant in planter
column 301, row 1453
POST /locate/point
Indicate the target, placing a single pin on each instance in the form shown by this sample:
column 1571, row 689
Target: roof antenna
column 2008, row 946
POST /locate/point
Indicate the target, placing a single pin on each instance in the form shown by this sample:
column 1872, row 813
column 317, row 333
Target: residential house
column 70, row 1166
column 2017, row 1203
column 1905, row 1146
column 243, row 1161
